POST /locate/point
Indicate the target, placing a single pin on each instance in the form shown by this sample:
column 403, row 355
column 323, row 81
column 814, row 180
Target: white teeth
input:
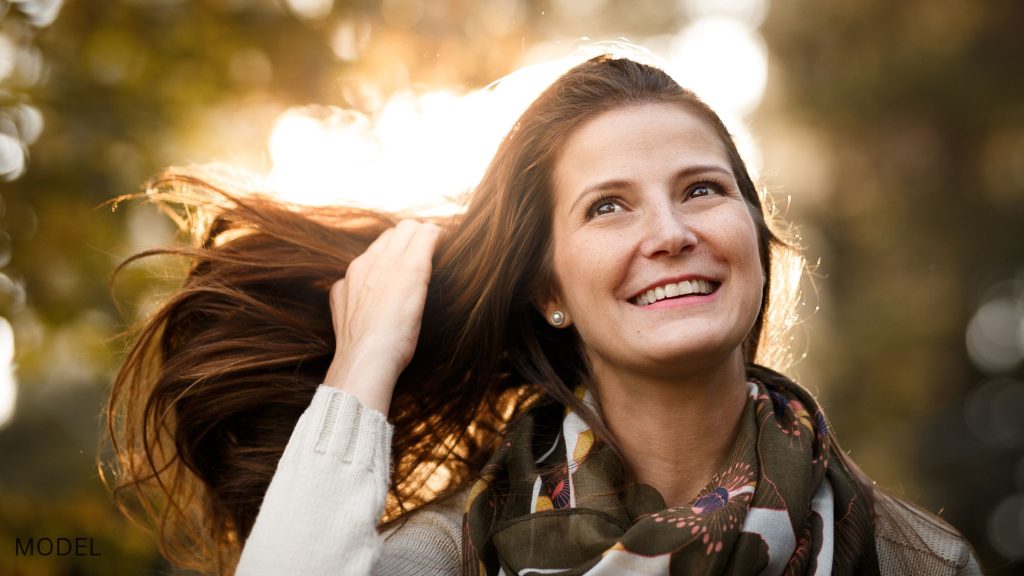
column 672, row 290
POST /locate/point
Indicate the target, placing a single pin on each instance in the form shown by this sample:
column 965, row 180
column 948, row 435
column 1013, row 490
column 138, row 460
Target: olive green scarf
column 553, row 500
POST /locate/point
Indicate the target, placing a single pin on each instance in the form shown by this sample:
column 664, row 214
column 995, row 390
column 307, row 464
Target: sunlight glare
column 418, row 153
column 724, row 61
column 750, row 12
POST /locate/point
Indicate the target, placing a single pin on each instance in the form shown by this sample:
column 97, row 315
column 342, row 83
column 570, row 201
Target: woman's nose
column 667, row 232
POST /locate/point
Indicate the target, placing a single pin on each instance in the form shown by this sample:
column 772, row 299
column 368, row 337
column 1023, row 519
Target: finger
column 379, row 244
column 336, row 292
column 417, row 264
column 390, row 256
column 361, row 267
column 420, row 251
column 337, row 300
column 404, row 233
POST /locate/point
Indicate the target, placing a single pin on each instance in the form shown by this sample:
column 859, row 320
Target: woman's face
column 655, row 250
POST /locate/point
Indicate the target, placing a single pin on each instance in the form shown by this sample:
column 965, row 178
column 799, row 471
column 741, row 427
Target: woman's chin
column 709, row 356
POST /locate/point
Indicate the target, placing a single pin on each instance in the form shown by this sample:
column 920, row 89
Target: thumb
column 336, row 298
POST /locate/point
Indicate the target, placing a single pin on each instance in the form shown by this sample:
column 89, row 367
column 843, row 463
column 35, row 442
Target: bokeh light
column 749, row 12
column 7, row 56
column 310, row 9
column 579, row 8
column 724, row 61
column 402, row 14
column 27, row 65
column 12, row 157
column 28, row 121
column 995, row 334
column 349, row 39
column 1006, row 527
column 993, row 412
column 40, row 13
column 8, row 384
column 12, row 293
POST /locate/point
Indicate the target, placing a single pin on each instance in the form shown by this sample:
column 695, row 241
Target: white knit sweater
column 319, row 515
column 320, row 512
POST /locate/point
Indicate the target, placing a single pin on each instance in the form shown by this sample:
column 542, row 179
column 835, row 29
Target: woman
column 568, row 370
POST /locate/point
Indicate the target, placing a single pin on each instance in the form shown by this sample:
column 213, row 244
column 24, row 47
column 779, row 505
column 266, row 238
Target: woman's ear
column 553, row 312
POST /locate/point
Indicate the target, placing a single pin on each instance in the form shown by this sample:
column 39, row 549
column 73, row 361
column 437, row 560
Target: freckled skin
column 672, row 208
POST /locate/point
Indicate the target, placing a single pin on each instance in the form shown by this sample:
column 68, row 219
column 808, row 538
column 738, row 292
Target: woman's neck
column 676, row 432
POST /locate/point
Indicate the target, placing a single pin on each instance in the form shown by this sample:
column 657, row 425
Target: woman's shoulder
column 427, row 541
column 443, row 515
column 912, row 541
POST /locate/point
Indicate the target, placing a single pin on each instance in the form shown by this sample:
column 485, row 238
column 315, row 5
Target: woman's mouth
column 675, row 290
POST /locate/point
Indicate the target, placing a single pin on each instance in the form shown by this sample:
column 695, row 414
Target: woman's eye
column 603, row 207
column 704, row 189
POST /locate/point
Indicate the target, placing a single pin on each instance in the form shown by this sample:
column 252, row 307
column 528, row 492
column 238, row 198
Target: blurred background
column 891, row 134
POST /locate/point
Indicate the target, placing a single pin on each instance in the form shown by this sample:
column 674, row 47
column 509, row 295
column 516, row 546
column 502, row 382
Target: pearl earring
column 557, row 318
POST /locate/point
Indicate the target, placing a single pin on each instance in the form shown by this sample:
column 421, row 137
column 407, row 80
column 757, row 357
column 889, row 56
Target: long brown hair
column 216, row 378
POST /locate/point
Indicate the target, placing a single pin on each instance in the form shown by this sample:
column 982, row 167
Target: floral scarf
column 552, row 500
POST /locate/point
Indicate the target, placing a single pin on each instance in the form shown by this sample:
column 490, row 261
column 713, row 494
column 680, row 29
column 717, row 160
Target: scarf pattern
column 553, row 500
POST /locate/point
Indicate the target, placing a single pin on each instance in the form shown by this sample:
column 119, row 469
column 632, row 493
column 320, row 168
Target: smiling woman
column 564, row 377
column 645, row 199
column 647, row 206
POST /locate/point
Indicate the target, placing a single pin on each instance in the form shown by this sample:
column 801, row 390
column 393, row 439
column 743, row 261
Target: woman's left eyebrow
column 691, row 171
column 600, row 187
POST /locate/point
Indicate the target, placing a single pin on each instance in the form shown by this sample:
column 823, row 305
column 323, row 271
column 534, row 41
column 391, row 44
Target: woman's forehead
column 620, row 143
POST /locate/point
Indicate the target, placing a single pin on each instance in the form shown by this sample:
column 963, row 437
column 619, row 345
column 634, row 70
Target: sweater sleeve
column 320, row 512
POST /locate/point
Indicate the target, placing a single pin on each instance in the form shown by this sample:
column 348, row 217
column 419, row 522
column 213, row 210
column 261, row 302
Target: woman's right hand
column 377, row 309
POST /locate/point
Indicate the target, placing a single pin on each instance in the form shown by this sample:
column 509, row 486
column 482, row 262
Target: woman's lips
column 694, row 288
column 679, row 301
